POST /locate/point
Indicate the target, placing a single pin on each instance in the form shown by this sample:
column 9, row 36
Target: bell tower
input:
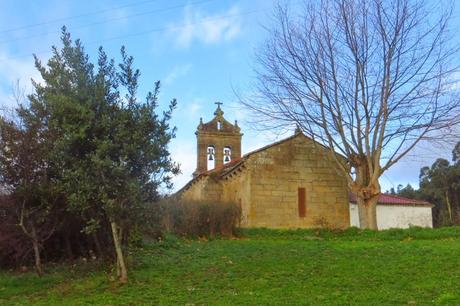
column 218, row 142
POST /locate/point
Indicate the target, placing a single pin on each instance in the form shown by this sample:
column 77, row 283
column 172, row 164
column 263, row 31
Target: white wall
column 396, row 216
column 354, row 216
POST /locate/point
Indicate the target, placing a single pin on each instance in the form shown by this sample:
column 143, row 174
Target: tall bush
column 200, row 218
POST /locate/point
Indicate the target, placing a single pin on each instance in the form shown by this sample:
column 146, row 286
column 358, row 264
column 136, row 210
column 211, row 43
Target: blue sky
column 201, row 50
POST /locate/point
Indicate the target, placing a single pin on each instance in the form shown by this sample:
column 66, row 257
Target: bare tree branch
column 370, row 79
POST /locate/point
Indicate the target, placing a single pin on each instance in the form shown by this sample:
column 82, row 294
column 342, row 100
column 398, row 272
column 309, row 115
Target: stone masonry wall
column 238, row 190
column 205, row 189
column 280, row 171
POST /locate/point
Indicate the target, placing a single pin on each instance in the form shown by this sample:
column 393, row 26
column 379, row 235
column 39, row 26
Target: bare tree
column 370, row 79
column 25, row 173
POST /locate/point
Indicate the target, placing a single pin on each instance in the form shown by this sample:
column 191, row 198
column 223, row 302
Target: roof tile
column 394, row 200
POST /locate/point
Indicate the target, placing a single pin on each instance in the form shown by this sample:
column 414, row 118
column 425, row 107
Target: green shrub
column 200, row 219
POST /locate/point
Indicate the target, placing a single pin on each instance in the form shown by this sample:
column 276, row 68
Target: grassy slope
column 266, row 267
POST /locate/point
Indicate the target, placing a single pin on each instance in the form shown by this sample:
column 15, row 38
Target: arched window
column 227, row 155
column 211, row 157
column 219, row 125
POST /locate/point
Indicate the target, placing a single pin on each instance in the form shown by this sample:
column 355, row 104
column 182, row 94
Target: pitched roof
column 389, row 199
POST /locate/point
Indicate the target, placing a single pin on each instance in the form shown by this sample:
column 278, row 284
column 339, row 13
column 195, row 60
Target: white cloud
column 454, row 82
column 7, row 101
column 13, row 70
column 190, row 111
column 183, row 148
column 208, row 29
column 184, row 152
column 119, row 15
column 237, row 111
column 177, row 72
column 193, row 109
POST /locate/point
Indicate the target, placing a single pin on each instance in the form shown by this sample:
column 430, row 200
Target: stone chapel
column 292, row 183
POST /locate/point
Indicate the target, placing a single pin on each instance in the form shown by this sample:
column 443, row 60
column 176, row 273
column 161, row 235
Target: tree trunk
column 367, row 210
column 36, row 246
column 367, row 190
column 121, row 266
column 449, row 207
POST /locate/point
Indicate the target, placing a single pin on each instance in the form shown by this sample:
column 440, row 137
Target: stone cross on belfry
column 219, row 112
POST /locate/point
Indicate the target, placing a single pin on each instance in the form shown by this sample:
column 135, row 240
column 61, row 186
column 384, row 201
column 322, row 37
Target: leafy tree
column 456, row 153
column 107, row 150
column 440, row 184
column 408, row 191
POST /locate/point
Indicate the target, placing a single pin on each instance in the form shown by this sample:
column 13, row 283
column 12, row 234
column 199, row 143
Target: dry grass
column 200, row 219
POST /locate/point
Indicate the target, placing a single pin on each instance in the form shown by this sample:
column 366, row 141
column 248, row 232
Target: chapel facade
column 292, row 183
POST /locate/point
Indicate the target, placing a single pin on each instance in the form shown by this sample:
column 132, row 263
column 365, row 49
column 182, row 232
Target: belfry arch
column 211, row 157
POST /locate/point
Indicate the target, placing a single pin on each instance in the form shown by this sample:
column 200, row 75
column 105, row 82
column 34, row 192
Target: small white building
column 396, row 212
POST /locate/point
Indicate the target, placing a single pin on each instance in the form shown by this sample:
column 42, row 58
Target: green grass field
column 263, row 267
